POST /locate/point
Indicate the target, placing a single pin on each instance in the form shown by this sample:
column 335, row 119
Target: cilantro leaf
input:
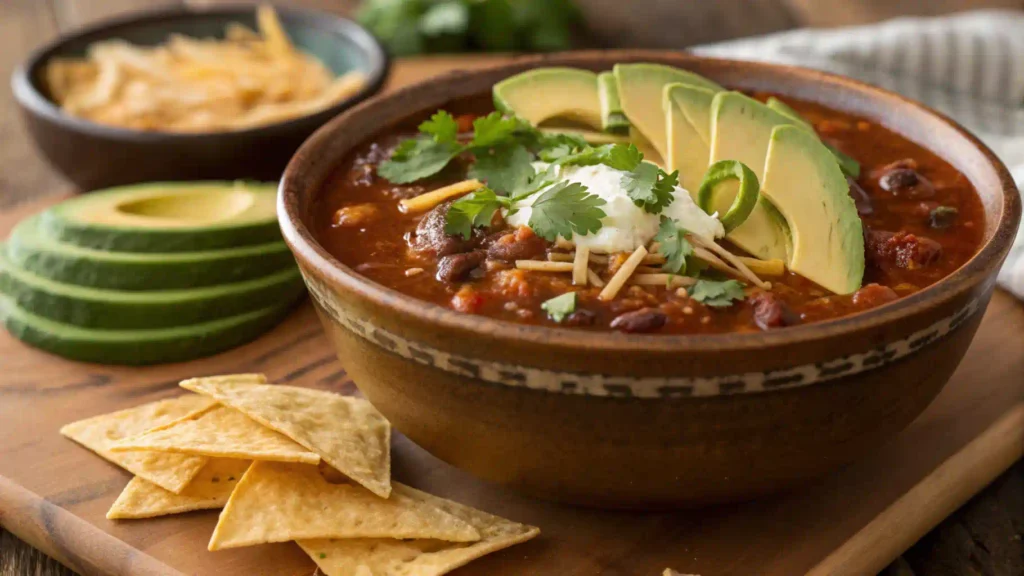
column 494, row 129
column 717, row 294
column 650, row 187
column 417, row 158
column 441, row 126
column 564, row 209
column 556, row 146
column 674, row 245
column 625, row 157
column 505, row 168
column 560, row 306
column 473, row 210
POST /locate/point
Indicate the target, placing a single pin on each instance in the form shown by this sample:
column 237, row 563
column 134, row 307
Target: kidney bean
column 640, row 321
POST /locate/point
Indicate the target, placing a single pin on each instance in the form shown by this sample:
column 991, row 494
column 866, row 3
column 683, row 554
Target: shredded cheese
column 667, row 280
column 732, row 259
column 544, row 266
column 580, row 266
column 773, row 267
column 561, row 257
column 594, row 278
column 654, row 259
column 622, row 274
column 431, row 199
column 599, row 258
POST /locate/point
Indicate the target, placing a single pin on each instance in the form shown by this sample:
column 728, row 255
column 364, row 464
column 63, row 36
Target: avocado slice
column 613, row 119
column 545, row 93
column 168, row 217
column 687, row 149
column 695, row 102
column 741, row 129
column 35, row 252
column 640, row 91
column 138, row 347
column 804, row 182
column 786, row 110
column 114, row 309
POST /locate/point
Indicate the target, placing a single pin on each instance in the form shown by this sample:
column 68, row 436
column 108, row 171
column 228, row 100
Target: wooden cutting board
column 54, row 494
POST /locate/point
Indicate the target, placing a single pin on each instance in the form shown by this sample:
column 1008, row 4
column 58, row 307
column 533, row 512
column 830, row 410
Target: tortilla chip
column 223, row 433
column 348, row 433
column 209, row 490
column 389, row 557
column 169, row 471
column 278, row 502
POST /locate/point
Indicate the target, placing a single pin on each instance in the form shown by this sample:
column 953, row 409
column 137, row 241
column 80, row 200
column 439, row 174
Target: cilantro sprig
column 475, row 210
column 674, row 245
column 564, row 209
column 560, row 306
column 717, row 294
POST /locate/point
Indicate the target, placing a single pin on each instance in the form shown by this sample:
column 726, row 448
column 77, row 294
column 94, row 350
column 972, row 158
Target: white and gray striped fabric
column 970, row 66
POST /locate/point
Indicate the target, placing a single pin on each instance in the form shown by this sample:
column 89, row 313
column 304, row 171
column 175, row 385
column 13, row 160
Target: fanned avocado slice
column 848, row 165
column 613, row 119
column 803, row 181
column 168, row 217
column 115, row 309
column 546, row 93
column 640, row 91
column 741, row 130
column 138, row 347
column 29, row 248
column 686, row 150
column 695, row 102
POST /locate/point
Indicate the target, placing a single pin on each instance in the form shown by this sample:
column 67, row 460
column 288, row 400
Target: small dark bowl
column 92, row 155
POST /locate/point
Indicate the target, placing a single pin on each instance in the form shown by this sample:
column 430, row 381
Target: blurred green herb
column 422, row 26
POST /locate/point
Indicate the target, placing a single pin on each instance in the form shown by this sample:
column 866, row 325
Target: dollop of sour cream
column 626, row 226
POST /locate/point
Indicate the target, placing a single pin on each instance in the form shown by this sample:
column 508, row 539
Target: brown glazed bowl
column 647, row 421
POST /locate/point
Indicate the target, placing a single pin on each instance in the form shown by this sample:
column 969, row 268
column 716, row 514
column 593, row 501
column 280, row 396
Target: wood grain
column 984, row 536
column 785, row 535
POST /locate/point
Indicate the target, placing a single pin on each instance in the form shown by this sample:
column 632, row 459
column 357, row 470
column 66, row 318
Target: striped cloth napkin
column 969, row 66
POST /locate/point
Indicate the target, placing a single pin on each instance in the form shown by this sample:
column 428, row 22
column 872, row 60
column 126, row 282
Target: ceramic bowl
column 95, row 156
column 648, row 421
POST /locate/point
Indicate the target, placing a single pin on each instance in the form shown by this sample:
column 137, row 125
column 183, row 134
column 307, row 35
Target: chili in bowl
column 638, row 279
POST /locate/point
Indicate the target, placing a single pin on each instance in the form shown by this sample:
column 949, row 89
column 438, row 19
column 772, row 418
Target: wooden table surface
column 983, row 538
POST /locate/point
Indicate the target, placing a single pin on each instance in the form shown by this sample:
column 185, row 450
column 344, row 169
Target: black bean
column 580, row 317
column 640, row 321
column 509, row 247
column 906, row 182
column 942, row 217
column 431, row 237
column 771, row 312
column 457, row 267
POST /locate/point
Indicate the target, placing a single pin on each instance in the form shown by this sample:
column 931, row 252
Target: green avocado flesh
column 687, row 149
column 32, row 250
column 168, row 217
column 804, row 182
column 94, row 308
column 641, row 89
column 741, row 129
column 613, row 120
column 138, row 347
column 785, row 109
column 546, row 93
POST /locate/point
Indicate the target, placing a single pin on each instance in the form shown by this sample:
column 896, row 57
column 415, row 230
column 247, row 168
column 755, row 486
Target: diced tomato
column 467, row 300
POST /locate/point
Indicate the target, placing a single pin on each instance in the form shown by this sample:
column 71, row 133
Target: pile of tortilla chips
column 288, row 464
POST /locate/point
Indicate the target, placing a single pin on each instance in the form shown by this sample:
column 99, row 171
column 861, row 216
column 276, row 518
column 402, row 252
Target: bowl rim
column 32, row 99
column 308, row 250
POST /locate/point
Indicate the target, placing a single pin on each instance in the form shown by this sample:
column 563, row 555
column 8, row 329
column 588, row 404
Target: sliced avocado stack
column 147, row 274
column 801, row 212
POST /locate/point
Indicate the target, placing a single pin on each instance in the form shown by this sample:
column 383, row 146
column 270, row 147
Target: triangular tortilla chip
column 389, row 557
column 209, row 490
column 169, row 471
column 278, row 502
column 348, row 433
column 220, row 432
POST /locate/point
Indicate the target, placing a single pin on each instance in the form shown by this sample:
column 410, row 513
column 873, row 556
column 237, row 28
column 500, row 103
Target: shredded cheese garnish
column 580, row 266
column 622, row 274
column 428, row 200
column 594, row 278
column 561, row 257
column 730, row 258
column 773, row 267
column 544, row 266
column 668, row 280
